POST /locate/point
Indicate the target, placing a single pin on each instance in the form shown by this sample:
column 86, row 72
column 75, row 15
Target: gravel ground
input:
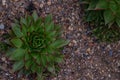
column 85, row 57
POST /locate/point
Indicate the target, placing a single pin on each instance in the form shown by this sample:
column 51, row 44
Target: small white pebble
column 78, row 34
column 6, row 74
column 3, row 59
column 109, row 75
column 108, row 46
column 3, row 2
column 70, row 28
column 74, row 41
column 49, row 3
column 41, row 5
column 2, row 26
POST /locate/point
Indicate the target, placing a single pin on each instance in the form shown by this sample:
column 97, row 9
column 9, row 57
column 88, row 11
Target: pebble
column 108, row 46
column 6, row 74
column 41, row 5
column 4, row 2
column 2, row 26
column 109, row 75
column 49, row 3
column 85, row 55
column 80, row 29
column 70, row 28
column 74, row 41
column 88, row 50
column 78, row 34
column 70, row 44
column 1, row 9
column 3, row 59
column 110, row 52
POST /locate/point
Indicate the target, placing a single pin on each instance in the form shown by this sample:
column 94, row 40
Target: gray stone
column 2, row 26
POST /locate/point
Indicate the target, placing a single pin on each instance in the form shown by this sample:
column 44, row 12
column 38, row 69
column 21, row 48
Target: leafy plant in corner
column 105, row 15
column 36, row 45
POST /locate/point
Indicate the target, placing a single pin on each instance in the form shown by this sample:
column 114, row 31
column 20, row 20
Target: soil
column 86, row 58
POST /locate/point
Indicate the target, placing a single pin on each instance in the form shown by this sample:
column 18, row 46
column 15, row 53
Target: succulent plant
column 105, row 14
column 35, row 45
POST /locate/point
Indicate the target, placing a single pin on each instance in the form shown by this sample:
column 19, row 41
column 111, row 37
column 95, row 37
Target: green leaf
column 35, row 55
column 59, row 59
column 50, row 59
column 48, row 19
column 52, row 34
column 33, row 66
column 92, row 5
column 29, row 20
column 38, row 59
column 50, row 27
column 40, row 70
column 10, row 51
column 16, row 42
column 118, row 1
column 38, row 22
column 51, row 69
column 118, row 22
column 18, row 54
column 28, row 64
column 27, row 56
column 35, row 16
column 58, row 31
column 108, row 16
column 17, row 31
column 102, row 4
column 113, row 6
column 31, row 28
column 44, row 60
column 59, row 43
column 23, row 21
column 18, row 65
column 40, row 76
column 24, row 30
column 16, row 21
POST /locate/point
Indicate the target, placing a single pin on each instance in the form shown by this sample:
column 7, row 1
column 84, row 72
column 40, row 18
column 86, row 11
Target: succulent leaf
column 35, row 16
column 108, row 16
column 18, row 65
column 17, row 42
column 17, row 31
column 17, row 54
column 102, row 4
column 48, row 19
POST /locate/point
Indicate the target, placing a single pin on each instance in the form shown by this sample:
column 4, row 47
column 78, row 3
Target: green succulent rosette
column 37, row 42
column 35, row 45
